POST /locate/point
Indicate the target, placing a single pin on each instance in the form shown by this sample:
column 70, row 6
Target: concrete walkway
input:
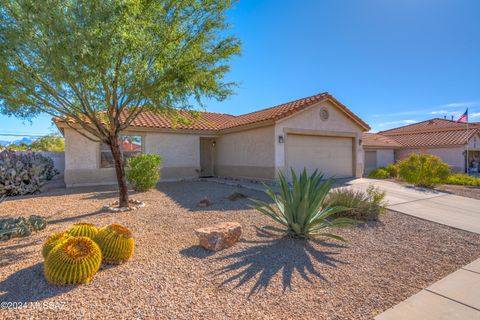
column 456, row 296
column 451, row 210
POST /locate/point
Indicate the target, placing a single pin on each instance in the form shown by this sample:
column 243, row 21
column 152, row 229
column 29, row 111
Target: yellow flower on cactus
column 53, row 241
column 74, row 261
column 82, row 229
column 116, row 242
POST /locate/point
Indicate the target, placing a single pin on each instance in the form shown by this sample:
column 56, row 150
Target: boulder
column 219, row 236
column 236, row 195
column 205, row 202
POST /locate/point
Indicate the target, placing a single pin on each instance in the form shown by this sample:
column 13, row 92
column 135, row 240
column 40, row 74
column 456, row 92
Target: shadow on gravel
column 263, row 259
column 77, row 217
column 196, row 252
column 29, row 285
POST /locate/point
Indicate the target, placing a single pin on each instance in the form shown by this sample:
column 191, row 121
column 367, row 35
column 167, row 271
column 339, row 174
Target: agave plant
column 302, row 208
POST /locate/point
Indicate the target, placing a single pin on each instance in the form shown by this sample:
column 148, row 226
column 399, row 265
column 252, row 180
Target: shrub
column 74, row 261
column 379, row 173
column 116, row 243
column 463, row 180
column 302, row 209
column 424, row 170
column 392, row 170
column 361, row 205
column 24, row 173
column 82, row 229
column 142, row 171
column 52, row 241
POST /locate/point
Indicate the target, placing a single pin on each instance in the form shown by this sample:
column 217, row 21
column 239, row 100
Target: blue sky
column 391, row 62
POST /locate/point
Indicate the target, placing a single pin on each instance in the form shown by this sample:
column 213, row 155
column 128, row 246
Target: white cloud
column 399, row 122
column 475, row 115
column 461, row 104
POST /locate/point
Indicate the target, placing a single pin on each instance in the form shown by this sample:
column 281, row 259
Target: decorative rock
column 205, row 202
column 236, row 195
column 134, row 205
column 219, row 236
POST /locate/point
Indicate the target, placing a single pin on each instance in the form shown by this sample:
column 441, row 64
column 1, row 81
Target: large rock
column 219, row 236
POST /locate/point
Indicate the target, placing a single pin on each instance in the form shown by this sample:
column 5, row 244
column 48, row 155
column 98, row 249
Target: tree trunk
column 120, row 172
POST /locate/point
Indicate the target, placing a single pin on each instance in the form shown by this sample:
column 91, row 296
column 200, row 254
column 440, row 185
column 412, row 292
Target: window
column 129, row 146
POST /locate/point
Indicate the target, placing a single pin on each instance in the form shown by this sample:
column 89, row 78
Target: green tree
column 51, row 143
column 99, row 64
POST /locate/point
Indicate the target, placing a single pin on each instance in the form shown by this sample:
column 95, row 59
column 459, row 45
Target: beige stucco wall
column 247, row 153
column 180, row 153
column 452, row 156
column 309, row 119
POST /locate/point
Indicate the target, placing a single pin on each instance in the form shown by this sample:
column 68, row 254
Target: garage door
column 370, row 161
column 331, row 155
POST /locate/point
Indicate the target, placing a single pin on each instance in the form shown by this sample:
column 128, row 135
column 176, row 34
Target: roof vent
column 431, row 122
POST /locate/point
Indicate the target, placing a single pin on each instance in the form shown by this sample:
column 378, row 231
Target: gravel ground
column 263, row 277
column 464, row 191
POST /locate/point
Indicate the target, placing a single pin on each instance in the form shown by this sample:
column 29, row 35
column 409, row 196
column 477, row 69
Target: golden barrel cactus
column 116, row 242
column 82, row 229
column 74, row 261
column 52, row 241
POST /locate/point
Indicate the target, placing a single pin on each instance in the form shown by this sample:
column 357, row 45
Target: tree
column 50, row 143
column 99, row 64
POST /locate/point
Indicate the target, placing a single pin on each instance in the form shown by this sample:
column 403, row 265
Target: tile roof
column 375, row 140
column 433, row 132
column 219, row 121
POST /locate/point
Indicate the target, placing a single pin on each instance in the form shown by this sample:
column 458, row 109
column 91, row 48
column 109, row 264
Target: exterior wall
column 248, row 154
column 180, row 153
column 385, row 157
column 453, row 156
column 309, row 119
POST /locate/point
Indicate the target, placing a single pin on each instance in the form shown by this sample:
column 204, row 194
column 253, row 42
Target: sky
column 391, row 62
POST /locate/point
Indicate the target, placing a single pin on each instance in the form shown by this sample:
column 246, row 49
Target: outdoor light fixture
column 214, row 143
column 359, row 142
column 280, row 139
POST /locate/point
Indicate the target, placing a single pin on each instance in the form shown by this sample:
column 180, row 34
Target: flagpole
column 468, row 163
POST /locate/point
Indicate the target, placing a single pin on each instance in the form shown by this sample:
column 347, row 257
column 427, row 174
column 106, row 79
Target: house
column 316, row 132
column 444, row 138
column 379, row 151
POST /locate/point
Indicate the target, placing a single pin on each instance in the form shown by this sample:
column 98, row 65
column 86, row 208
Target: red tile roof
column 433, row 132
column 219, row 121
column 375, row 140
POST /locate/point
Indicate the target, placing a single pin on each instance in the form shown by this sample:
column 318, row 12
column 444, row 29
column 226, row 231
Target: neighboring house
column 441, row 137
column 316, row 132
column 379, row 151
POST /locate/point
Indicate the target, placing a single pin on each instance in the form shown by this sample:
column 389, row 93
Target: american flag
column 464, row 117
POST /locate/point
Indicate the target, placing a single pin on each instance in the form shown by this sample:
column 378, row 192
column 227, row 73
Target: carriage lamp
column 280, row 139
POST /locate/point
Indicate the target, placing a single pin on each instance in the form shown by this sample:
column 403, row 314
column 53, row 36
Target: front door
column 206, row 157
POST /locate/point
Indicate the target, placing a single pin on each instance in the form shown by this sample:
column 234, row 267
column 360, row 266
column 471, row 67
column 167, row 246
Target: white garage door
column 331, row 155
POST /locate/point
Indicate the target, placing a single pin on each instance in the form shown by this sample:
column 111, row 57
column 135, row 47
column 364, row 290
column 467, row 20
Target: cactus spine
column 53, row 241
column 82, row 229
column 74, row 261
column 116, row 242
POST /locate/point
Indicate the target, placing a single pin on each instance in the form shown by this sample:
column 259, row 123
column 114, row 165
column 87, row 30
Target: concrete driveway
column 451, row 210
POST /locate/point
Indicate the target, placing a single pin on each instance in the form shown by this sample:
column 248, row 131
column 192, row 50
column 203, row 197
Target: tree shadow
column 29, row 285
column 11, row 254
column 78, row 217
column 265, row 258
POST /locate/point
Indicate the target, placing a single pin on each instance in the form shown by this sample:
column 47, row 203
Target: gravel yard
column 464, row 191
column 263, row 277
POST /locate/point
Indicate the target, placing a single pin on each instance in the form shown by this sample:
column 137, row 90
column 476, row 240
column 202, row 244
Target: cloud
column 475, row 115
column 461, row 104
column 399, row 122
column 440, row 112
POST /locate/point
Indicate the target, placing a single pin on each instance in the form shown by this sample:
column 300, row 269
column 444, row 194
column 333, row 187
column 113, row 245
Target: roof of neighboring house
column 375, row 140
column 433, row 132
column 218, row 121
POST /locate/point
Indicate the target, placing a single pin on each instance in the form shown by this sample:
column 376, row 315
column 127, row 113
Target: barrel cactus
column 116, row 242
column 74, row 261
column 82, row 229
column 53, row 241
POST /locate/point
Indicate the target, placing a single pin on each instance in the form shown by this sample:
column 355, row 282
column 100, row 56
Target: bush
column 379, row 173
column 142, row 171
column 424, row 170
column 463, row 180
column 302, row 209
column 360, row 205
column 24, row 173
column 392, row 170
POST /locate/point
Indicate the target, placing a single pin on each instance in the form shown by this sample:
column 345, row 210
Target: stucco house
column 379, row 151
column 316, row 132
column 444, row 138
